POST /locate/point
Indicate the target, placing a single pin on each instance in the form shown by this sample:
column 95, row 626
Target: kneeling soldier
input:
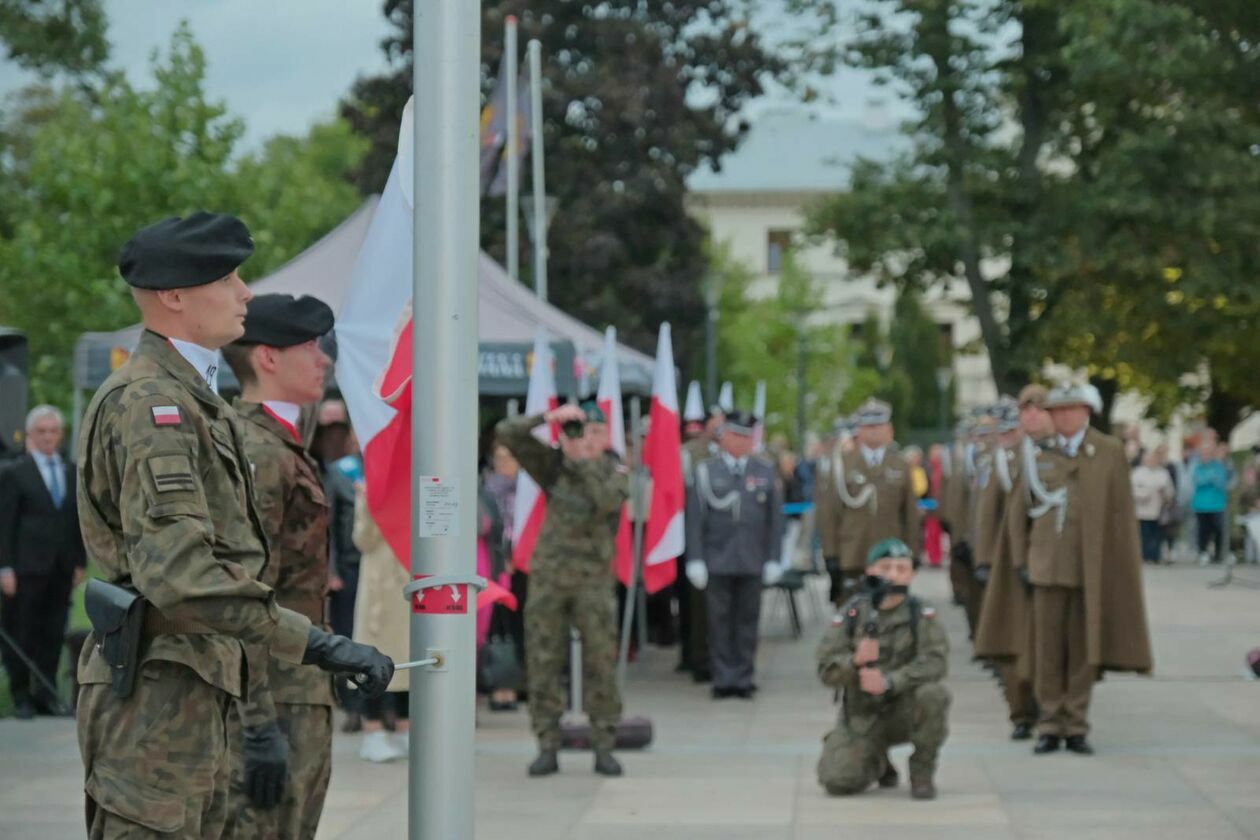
column 886, row 655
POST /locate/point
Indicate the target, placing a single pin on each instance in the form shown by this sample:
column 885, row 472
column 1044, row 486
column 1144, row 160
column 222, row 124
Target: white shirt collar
column 733, row 462
column 874, row 457
column 286, row 411
column 203, row 360
column 1073, row 444
column 45, row 460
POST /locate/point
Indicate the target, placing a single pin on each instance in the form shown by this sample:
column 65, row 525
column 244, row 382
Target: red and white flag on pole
column 531, row 504
column 662, row 455
column 609, row 395
column 374, row 342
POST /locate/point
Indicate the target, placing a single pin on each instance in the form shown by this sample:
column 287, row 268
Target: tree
column 916, row 345
column 775, row 341
column 636, row 96
column 52, row 36
column 83, row 177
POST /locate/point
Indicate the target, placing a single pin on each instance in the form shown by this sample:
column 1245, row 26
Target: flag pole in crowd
column 540, row 178
column 759, row 417
column 447, row 38
column 512, row 158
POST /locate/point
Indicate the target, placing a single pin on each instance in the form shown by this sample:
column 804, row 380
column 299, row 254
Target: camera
column 573, row 429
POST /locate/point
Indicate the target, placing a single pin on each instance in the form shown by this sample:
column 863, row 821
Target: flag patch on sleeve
column 166, row 415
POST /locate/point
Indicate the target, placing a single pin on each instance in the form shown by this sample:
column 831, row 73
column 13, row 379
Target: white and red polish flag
column 531, row 504
column 662, row 456
column 609, row 394
column 374, row 359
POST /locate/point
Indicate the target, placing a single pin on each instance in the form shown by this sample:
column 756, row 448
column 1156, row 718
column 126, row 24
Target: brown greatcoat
column 1005, row 628
column 1115, row 607
column 849, row 533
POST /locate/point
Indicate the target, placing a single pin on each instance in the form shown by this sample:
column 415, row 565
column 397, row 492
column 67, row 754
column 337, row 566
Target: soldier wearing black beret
column 281, row 738
column 169, row 515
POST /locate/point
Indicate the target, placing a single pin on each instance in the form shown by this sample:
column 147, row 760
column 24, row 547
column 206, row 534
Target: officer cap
column 284, row 321
column 888, row 547
column 179, row 253
column 739, row 422
column 1032, row 395
column 594, row 414
column 1069, row 395
column 1005, row 414
column 873, row 412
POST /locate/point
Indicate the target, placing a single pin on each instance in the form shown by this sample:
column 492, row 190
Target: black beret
column 283, row 320
column 179, row 253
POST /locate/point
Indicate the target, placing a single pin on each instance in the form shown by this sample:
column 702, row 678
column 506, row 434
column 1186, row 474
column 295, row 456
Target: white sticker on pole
column 439, row 506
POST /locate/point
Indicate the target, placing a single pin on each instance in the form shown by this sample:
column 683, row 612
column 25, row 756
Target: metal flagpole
column 513, row 160
column 540, row 179
column 447, row 38
column 636, row 550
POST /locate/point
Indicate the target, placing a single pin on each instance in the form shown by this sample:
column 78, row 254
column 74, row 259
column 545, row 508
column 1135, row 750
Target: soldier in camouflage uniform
column 571, row 581
column 166, row 506
column 285, row 729
column 886, row 656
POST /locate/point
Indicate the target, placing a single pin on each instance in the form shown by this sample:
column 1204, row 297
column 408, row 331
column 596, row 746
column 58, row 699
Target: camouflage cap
column 888, row 547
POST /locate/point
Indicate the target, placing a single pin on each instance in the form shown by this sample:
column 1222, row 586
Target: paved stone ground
column 1178, row 754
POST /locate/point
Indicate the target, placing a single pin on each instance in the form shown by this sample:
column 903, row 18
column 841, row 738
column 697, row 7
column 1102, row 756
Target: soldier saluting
column 168, row 514
column 1073, row 534
column 867, row 497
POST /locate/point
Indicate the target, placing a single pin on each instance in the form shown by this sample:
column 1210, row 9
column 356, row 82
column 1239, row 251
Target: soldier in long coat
column 1004, row 632
column 866, row 496
column 956, row 509
column 281, row 738
column 1074, row 541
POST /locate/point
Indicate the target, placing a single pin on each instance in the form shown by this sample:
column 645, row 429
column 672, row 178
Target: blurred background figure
column 932, row 531
column 381, row 619
column 1210, row 477
column 41, row 560
column 336, row 449
column 1153, row 491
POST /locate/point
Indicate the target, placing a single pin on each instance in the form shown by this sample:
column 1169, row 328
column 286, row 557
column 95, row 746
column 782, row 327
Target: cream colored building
column 756, row 208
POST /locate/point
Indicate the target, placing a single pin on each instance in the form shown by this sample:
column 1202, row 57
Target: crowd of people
column 225, row 538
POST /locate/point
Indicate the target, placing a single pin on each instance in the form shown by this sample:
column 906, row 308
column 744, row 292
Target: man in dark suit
column 735, row 537
column 41, row 559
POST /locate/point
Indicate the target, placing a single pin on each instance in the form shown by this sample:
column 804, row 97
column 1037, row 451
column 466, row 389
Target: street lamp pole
column 710, row 337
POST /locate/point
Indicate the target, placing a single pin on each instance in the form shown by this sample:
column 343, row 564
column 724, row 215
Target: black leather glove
column 981, row 575
column 366, row 666
column 1023, row 578
column 266, row 764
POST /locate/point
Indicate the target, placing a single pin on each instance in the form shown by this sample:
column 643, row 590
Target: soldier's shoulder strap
column 917, row 610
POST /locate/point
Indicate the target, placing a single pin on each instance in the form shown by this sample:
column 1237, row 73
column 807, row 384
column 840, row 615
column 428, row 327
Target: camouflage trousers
column 553, row 606
column 855, row 753
column 156, row 762
column 308, row 728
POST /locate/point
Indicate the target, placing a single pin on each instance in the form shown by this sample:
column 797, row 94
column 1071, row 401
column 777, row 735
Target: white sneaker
column 402, row 742
column 1204, row 559
column 378, row 748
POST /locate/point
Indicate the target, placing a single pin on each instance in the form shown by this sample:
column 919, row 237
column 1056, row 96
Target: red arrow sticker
column 450, row 599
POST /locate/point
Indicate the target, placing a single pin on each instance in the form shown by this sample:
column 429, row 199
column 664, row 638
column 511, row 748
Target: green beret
column 888, row 547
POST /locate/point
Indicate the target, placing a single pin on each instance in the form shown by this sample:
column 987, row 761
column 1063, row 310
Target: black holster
column 117, row 617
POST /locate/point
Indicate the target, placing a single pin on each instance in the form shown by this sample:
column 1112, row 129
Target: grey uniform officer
column 735, row 534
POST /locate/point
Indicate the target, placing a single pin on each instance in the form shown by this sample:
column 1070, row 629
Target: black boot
column 889, row 779
column 1078, row 745
column 1047, row 744
column 546, row 764
column 605, row 764
column 1022, row 732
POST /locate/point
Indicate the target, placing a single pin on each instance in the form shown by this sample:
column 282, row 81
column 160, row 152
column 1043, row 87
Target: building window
column 777, row 244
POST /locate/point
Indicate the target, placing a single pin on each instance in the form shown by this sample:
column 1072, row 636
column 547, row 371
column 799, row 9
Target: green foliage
column 84, row 172
column 769, row 339
column 623, row 129
column 880, row 373
column 52, row 36
column 917, row 354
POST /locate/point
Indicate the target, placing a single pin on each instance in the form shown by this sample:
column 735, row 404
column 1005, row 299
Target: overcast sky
column 283, row 64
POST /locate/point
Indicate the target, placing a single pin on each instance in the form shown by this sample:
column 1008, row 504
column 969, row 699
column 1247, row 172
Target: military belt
column 156, row 624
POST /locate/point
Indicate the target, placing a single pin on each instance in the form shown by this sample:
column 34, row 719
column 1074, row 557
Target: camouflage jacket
column 906, row 662
column 294, row 513
column 583, row 497
column 166, row 506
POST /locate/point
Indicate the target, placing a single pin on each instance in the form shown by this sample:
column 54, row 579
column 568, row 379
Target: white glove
column 771, row 572
column 697, row 573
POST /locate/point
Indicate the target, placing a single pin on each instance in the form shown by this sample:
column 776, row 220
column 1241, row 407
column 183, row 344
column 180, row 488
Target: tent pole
column 540, row 178
column 512, row 158
column 447, row 38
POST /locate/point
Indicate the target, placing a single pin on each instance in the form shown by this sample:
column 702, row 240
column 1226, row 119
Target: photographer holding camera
column 571, row 582
column 886, row 654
